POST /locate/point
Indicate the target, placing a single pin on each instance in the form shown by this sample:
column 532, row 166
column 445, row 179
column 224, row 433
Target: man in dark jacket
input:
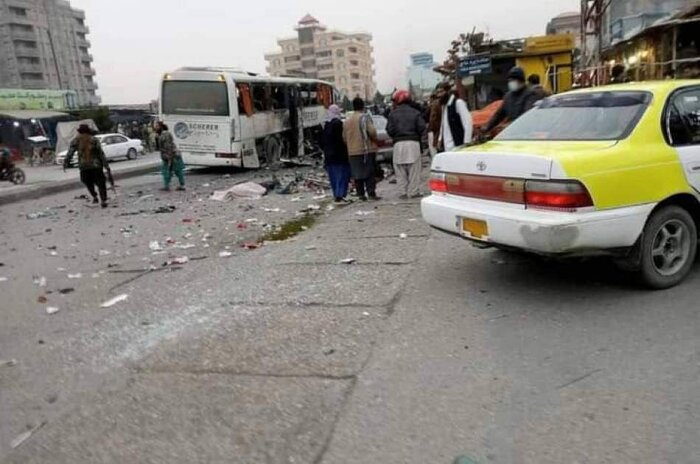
column 335, row 154
column 536, row 88
column 406, row 127
column 517, row 101
column 91, row 161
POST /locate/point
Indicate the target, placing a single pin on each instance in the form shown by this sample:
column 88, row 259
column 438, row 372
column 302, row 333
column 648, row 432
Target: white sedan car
column 114, row 145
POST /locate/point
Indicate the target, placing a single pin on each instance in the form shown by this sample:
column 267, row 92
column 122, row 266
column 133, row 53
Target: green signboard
column 24, row 99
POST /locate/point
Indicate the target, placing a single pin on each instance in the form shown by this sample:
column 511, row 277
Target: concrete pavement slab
column 280, row 341
column 184, row 418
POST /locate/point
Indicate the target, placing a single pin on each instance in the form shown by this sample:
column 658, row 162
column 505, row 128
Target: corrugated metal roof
column 31, row 114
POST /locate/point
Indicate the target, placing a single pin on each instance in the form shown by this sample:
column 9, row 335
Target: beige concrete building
column 566, row 23
column 344, row 59
column 44, row 45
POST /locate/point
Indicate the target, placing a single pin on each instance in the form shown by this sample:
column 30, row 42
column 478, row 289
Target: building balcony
column 86, row 58
column 88, row 72
column 82, row 42
column 30, row 67
column 23, row 35
column 27, row 52
column 91, row 85
column 33, row 83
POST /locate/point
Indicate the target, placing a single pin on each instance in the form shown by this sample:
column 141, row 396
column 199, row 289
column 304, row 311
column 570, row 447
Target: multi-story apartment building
column 44, row 45
column 566, row 23
column 344, row 59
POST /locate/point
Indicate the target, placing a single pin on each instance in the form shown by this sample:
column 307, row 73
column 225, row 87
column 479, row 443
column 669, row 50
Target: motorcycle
column 13, row 174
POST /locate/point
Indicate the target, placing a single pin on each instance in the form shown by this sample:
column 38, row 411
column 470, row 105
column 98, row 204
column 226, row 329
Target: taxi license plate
column 475, row 228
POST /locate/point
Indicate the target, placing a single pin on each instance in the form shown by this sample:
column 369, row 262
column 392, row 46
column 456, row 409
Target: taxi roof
column 655, row 87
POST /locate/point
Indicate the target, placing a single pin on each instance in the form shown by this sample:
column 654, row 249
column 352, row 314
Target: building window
column 17, row 11
column 340, row 53
column 308, row 64
column 289, row 59
column 26, row 43
column 323, row 67
column 324, row 54
column 352, row 49
column 279, row 96
column 354, row 75
column 354, row 63
column 337, row 37
column 341, row 67
column 307, row 51
column 323, row 42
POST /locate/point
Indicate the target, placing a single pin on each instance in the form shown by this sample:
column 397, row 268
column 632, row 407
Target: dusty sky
column 135, row 41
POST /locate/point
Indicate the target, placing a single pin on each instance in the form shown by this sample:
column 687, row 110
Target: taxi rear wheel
column 668, row 247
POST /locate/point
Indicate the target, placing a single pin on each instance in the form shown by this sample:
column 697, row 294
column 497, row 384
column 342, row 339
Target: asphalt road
column 423, row 350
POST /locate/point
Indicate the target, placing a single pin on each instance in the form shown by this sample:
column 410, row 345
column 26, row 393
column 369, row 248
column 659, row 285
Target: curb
column 38, row 191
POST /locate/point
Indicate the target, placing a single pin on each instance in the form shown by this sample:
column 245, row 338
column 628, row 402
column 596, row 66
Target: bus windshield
column 604, row 115
column 197, row 98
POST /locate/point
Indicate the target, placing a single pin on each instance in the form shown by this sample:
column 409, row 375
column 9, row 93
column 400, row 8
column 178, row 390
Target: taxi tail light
column 438, row 182
column 557, row 195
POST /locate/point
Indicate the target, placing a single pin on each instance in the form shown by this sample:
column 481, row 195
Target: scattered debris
column 187, row 221
column 271, row 185
column 310, row 247
column 52, row 310
column 144, row 197
column 164, row 209
column 225, row 254
column 364, row 213
column 178, row 260
column 22, row 437
column 81, row 197
column 241, row 226
column 184, row 246
column 366, row 314
column 320, row 197
column 288, row 189
column 251, row 245
column 348, row 261
column 41, row 214
column 155, row 246
column 42, row 299
column 105, row 253
column 403, row 236
column 310, row 208
column 40, row 281
column 8, row 362
column 272, row 210
column 115, row 300
column 66, row 291
column 3, row 279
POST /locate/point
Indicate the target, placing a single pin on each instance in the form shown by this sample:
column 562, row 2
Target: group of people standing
column 350, row 149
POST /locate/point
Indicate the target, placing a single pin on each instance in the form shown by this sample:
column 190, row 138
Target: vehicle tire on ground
column 131, row 154
column 272, row 148
column 668, row 247
column 17, row 176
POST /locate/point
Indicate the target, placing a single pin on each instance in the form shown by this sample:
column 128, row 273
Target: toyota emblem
column 481, row 166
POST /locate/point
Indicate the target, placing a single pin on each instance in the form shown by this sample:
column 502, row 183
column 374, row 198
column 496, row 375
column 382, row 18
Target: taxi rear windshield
column 585, row 116
column 197, row 98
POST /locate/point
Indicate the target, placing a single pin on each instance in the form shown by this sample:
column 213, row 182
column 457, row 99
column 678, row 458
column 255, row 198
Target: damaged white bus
column 228, row 117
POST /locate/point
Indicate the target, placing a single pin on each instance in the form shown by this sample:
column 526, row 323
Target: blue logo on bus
column 182, row 130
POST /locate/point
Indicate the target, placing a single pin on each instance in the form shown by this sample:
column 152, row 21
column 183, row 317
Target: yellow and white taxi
column 609, row 170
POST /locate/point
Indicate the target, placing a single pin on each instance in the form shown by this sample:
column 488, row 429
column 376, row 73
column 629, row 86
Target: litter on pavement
column 348, row 261
column 52, row 310
column 22, row 437
column 8, row 362
column 40, row 281
column 115, row 300
column 155, row 246
column 3, row 279
column 403, row 236
column 41, row 214
column 225, row 254
column 364, row 213
column 75, row 276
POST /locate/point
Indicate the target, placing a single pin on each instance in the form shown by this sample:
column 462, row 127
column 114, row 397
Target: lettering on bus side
column 184, row 130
